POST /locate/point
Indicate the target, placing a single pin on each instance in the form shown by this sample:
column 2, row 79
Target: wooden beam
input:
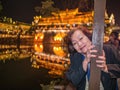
column 97, row 40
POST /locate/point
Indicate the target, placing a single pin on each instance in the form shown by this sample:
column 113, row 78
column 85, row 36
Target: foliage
column 46, row 8
column 57, row 82
column 1, row 7
column 7, row 20
column 86, row 5
column 48, row 87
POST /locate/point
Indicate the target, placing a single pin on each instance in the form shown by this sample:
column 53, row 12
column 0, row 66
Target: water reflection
column 56, row 49
column 31, row 64
column 13, row 52
column 51, row 56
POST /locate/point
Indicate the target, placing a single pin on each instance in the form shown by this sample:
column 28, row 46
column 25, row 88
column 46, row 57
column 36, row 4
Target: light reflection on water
column 31, row 64
column 51, row 56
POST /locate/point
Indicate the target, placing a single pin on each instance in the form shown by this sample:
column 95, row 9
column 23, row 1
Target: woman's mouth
column 83, row 47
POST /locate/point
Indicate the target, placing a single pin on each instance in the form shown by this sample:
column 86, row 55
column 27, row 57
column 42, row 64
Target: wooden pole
column 97, row 40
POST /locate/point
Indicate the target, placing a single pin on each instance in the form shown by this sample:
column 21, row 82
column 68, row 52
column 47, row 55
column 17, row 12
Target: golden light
column 106, row 38
column 59, row 37
column 38, row 47
column 119, row 36
column 39, row 37
column 59, row 51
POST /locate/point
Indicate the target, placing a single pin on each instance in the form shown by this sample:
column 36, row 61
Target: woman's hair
column 68, row 41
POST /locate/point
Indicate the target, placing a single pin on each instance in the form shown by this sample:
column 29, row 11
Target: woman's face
column 80, row 42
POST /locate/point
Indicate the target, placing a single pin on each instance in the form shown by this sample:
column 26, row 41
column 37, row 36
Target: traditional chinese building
column 67, row 17
column 62, row 21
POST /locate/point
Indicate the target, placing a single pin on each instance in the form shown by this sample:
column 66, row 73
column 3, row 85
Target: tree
column 86, row 5
column 46, row 8
column 1, row 7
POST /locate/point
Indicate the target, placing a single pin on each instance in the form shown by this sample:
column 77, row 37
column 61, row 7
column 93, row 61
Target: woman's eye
column 74, row 43
column 80, row 38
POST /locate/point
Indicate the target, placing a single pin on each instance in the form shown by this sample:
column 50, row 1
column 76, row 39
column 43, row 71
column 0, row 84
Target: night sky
column 23, row 10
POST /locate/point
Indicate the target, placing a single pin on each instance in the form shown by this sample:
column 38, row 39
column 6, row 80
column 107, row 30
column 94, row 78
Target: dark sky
column 23, row 10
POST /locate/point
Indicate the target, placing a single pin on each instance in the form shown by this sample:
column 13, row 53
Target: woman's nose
column 80, row 43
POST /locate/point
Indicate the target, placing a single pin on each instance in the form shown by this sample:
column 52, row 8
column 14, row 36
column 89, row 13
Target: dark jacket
column 77, row 76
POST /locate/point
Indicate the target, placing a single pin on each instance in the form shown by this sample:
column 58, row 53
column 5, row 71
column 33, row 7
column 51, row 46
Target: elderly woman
column 81, row 50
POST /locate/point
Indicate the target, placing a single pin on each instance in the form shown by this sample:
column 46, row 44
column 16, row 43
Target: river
column 19, row 69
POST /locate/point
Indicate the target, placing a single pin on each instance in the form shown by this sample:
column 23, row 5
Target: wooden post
column 97, row 40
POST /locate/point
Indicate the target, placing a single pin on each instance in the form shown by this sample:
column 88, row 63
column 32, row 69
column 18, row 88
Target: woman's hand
column 89, row 55
column 101, row 62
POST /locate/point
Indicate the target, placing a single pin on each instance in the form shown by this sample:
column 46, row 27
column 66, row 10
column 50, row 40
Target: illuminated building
column 63, row 21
